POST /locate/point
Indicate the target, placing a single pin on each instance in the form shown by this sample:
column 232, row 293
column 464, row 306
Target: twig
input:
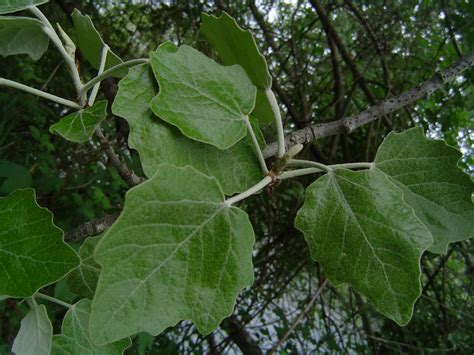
column 124, row 171
column 350, row 123
column 299, row 318
column 91, row 228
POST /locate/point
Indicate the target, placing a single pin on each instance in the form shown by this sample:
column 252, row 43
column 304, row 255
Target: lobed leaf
column 79, row 126
column 439, row 192
column 75, row 337
column 158, row 142
column 32, row 252
column 237, row 46
column 176, row 252
column 36, row 333
column 83, row 279
column 14, row 177
column 22, row 35
column 362, row 232
column 8, row 6
column 206, row 101
column 90, row 43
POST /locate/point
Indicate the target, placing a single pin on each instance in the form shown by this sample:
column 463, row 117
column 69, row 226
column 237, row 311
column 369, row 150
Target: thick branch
column 124, row 171
column 350, row 123
column 91, row 228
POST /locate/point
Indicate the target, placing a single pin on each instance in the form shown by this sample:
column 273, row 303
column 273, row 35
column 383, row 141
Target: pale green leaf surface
column 8, row 6
column 176, row 252
column 2, row 298
column 22, row 35
column 208, row 102
column 362, row 232
column 83, row 279
column 237, row 46
column 32, row 251
column 75, row 337
column 90, row 43
column 158, row 142
column 36, row 333
column 79, row 126
column 439, row 192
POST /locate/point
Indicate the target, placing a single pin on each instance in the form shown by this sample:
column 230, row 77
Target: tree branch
column 91, row 228
column 240, row 336
column 124, row 171
column 350, row 123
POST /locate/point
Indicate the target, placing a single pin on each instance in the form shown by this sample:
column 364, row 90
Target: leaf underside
column 176, row 252
column 32, row 251
column 9, row 6
column 439, row 192
column 237, row 46
column 22, row 35
column 206, row 101
column 36, row 333
column 75, row 337
column 158, row 142
column 79, row 126
column 362, row 232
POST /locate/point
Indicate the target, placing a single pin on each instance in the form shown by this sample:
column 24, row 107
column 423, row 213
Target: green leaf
column 8, row 6
column 83, row 279
column 90, row 43
column 206, row 101
column 362, row 232
column 2, row 298
column 32, row 252
column 158, row 142
column 237, row 46
column 439, row 192
column 22, row 35
column 75, row 337
column 36, row 333
column 13, row 176
column 176, row 252
column 79, row 126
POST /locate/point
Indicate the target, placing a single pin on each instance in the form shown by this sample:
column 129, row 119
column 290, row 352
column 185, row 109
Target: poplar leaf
column 75, row 337
column 83, row 279
column 362, row 232
column 22, row 35
column 36, row 333
column 32, row 251
column 8, row 6
column 433, row 185
column 79, row 126
column 208, row 102
column 237, row 46
column 176, row 252
column 158, row 142
column 90, row 43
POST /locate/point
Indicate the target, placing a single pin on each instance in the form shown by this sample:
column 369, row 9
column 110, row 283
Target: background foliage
column 394, row 45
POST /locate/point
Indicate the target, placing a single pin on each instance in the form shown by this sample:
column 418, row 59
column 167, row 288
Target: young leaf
column 32, row 252
column 206, row 101
column 362, row 232
column 8, row 6
column 176, row 252
column 75, row 337
column 90, row 43
column 22, row 35
column 36, row 333
column 439, row 192
column 237, row 46
column 79, row 126
column 158, row 142
column 83, row 279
